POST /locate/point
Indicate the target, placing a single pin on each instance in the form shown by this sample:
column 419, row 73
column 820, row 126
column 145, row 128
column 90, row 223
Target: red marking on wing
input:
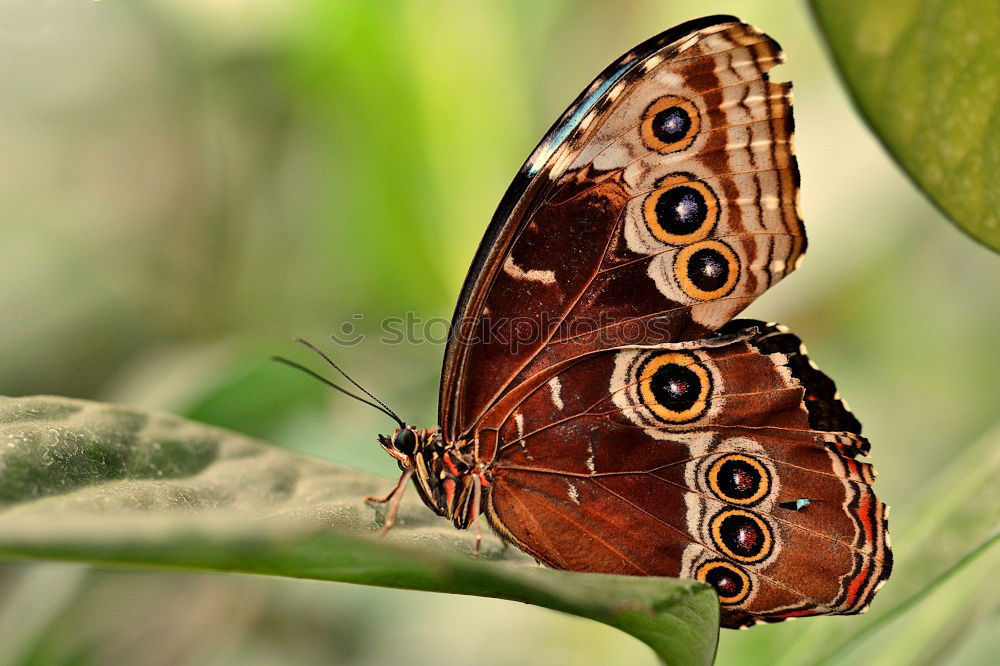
column 855, row 586
column 862, row 513
column 450, row 465
column 801, row 613
column 449, row 493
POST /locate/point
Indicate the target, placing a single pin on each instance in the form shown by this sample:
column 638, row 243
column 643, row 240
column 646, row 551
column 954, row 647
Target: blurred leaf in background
column 926, row 78
column 191, row 183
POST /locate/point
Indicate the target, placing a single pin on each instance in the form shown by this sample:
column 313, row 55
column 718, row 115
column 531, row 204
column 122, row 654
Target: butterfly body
column 448, row 478
column 599, row 404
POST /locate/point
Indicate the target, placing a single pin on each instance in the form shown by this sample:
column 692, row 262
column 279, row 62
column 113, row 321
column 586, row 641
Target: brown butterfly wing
column 692, row 460
column 659, row 206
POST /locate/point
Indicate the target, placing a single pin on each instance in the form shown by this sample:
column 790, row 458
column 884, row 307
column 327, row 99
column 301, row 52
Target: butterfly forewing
column 667, row 205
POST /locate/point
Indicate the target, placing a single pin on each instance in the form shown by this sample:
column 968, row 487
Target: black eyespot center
column 708, row 269
column 675, row 386
column 738, row 479
column 681, row 210
column 405, row 441
column 732, row 584
column 671, row 124
column 742, row 535
column 725, row 581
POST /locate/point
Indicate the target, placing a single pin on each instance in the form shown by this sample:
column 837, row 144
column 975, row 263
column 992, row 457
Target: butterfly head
column 405, row 442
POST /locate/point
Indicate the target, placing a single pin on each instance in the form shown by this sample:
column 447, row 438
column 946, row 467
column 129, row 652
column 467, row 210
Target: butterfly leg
column 394, row 497
column 477, row 494
column 403, row 478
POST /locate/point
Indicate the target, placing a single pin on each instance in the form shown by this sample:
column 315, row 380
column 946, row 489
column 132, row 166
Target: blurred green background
column 189, row 183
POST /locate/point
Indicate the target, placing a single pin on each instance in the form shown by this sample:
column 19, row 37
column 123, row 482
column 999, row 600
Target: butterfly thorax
column 446, row 474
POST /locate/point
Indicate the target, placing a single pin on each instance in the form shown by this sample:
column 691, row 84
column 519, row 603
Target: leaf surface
column 105, row 484
column 925, row 75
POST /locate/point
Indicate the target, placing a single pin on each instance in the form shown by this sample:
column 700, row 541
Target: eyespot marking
column 742, row 535
column 731, row 584
column 681, row 210
column 675, row 387
column 707, row 270
column 739, row 479
column 670, row 124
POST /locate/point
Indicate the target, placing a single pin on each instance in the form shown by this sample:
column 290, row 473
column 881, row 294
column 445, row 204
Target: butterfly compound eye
column 405, row 441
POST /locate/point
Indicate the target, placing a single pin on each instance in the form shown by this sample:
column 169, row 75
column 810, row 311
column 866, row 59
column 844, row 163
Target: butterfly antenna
column 346, row 376
column 380, row 407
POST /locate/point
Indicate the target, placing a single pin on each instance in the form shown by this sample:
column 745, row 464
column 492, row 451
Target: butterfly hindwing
column 660, row 206
column 702, row 460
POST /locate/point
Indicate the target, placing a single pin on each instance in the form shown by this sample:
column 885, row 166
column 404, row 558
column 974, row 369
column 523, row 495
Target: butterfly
column 600, row 406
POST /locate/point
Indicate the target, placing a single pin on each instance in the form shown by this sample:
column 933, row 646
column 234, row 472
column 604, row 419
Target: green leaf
column 925, row 74
column 98, row 483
